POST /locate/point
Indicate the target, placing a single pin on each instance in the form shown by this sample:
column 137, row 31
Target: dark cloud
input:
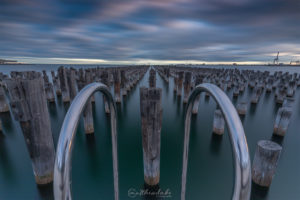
column 215, row 30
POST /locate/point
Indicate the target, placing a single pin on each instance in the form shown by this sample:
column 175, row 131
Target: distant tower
column 276, row 60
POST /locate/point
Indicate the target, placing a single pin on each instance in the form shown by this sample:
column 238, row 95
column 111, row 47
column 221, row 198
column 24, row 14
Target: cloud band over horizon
column 136, row 31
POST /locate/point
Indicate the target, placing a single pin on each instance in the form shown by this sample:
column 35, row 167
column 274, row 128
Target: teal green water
column 210, row 171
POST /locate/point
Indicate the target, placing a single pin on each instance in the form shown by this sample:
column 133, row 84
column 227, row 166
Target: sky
column 152, row 31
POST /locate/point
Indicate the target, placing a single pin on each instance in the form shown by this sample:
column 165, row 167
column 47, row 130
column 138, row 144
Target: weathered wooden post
column 152, row 78
column 280, row 94
column 151, row 117
column 48, row 88
column 83, row 80
column 265, row 162
column 71, row 82
column 29, row 107
column 62, row 75
column 104, row 79
column 3, row 104
column 179, row 83
column 198, row 80
column 283, row 117
column 218, row 123
column 56, row 84
column 175, row 84
column 1, row 128
column 242, row 108
column 187, row 85
column 256, row 95
column 123, row 82
column 116, row 76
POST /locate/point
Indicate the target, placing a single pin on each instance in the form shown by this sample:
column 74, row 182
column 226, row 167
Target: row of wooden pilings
column 26, row 95
column 283, row 85
column 30, row 91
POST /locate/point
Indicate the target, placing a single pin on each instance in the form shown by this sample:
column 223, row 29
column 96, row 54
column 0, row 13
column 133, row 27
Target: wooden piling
column 151, row 117
column 218, row 123
column 48, row 88
column 242, row 108
column 283, row 117
column 29, row 107
column 56, row 84
column 71, row 82
column 265, row 162
column 187, row 86
column 62, row 75
column 104, row 79
column 116, row 76
column 179, row 83
column 84, row 78
column 256, row 95
column 3, row 103
column 198, row 80
column 152, row 78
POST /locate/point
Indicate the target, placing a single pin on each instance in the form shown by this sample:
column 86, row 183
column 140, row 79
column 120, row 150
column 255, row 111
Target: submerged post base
column 43, row 180
column 151, row 181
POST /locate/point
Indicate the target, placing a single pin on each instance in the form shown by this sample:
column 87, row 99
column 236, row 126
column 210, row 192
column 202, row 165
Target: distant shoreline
column 265, row 65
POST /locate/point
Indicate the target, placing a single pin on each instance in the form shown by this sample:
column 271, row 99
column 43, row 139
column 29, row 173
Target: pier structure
column 4, row 107
column 163, row 71
column 236, row 81
column 283, row 117
column 29, row 106
column 198, row 80
column 151, row 118
column 56, row 83
column 62, row 75
column 187, row 86
column 242, row 108
column 218, row 123
column 265, row 162
column 84, row 78
column 48, row 88
column 180, row 75
column 117, row 85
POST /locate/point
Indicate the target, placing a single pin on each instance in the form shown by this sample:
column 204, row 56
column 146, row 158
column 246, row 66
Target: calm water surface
column 210, row 171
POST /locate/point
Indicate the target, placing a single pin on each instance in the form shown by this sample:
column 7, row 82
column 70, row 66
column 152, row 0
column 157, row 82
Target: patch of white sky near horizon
column 32, row 60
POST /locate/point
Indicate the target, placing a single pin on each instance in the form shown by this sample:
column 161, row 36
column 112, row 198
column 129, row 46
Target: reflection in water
column 7, row 123
column 92, row 169
column 278, row 139
column 258, row 192
column 275, row 108
column 66, row 106
column 215, row 144
column 59, row 100
column 242, row 118
column 52, row 110
column 5, row 162
column 46, row 191
column 206, row 99
column 151, row 192
column 252, row 109
column 234, row 100
column 178, row 107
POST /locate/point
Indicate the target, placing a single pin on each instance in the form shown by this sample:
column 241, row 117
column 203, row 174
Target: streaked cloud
column 149, row 31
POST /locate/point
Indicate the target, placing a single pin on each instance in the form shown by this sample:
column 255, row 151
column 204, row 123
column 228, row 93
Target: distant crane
column 276, row 60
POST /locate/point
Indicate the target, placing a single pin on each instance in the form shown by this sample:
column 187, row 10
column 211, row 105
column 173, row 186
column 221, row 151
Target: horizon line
column 75, row 61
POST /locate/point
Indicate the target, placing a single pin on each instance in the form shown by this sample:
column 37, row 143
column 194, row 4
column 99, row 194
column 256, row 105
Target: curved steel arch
column 63, row 160
column 242, row 186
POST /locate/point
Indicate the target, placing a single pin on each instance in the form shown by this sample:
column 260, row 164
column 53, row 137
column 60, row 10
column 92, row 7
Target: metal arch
column 63, row 160
column 242, row 186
